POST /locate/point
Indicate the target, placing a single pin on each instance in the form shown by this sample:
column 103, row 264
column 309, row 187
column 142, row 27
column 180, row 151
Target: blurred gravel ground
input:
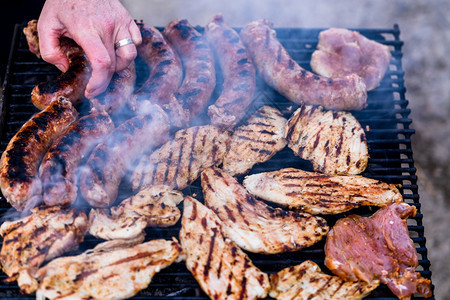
column 425, row 30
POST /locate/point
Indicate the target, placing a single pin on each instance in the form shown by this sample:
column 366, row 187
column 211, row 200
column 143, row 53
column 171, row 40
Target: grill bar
column 385, row 120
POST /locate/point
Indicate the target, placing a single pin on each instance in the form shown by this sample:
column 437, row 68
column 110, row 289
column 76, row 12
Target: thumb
column 50, row 49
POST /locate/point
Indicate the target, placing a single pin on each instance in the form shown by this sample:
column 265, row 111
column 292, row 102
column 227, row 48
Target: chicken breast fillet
column 45, row 234
column 318, row 193
column 260, row 138
column 152, row 206
column 180, row 161
column 253, row 225
column 334, row 142
column 377, row 247
column 106, row 273
column 307, row 281
column 222, row 269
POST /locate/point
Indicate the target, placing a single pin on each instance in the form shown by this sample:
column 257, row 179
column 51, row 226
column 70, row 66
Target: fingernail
column 61, row 67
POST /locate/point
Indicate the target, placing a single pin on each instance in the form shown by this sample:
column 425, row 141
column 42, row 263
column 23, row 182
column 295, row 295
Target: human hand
column 95, row 25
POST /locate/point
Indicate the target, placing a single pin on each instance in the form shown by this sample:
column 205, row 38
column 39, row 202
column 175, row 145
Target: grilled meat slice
column 282, row 73
column 70, row 84
column 60, row 166
column 180, row 161
column 317, row 193
column 253, row 225
column 341, row 52
column 333, row 142
column 117, row 273
column 43, row 235
column 166, row 72
column 256, row 141
column 238, row 72
column 221, row 268
column 307, row 281
column 111, row 159
column 152, row 206
column 199, row 72
column 118, row 93
column 377, row 247
column 19, row 179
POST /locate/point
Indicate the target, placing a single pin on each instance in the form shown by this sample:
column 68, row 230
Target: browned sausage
column 118, row 93
column 19, row 179
column 70, row 84
column 166, row 72
column 58, row 170
column 199, row 72
column 109, row 161
column 283, row 74
column 238, row 72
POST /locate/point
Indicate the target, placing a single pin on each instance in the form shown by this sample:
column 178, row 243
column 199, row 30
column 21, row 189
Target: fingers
column 126, row 54
column 49, row 46
column 102, row 58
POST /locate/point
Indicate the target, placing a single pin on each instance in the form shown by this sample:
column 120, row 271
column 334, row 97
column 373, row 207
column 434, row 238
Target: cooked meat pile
column 253, row 225
column 377, row 248
column 131, row 169
column 341, row 52
column 333, row 142
column 256, row 141
column 103, row 273
column 307, row 281
column 222, row 269
column 45, row 234
column 318, row 193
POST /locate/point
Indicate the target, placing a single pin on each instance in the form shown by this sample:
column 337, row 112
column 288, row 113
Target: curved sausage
column 283, row 74
column 70, row 84
column 199, row 72
column 60, row 166
column 166, row 72
column 118, row 93
column 238, row 72
column 109, row 161
column 19, row 179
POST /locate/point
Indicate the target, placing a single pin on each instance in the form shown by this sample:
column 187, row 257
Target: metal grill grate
column 385, row 120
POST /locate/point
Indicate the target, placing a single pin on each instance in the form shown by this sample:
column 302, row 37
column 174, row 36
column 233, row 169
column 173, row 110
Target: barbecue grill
column 385, row 120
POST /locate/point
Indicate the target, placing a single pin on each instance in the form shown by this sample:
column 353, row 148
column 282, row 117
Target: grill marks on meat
column 70, row 84
column 60, row 166
column 19, row 179
column 180, row 161
column 307, row 281
column 317, row 193
column 253, row 225
column 199, row 71
column 238, row 72
column 377, row 247
column 116, row 273
column 221, row 268
column 256, row 141
column 166, row 73
column 110, row 160
column 283, row 74
column 46, row 233
column 152, row 206
column 341, row 52
column 118, row 93
column 333, row 142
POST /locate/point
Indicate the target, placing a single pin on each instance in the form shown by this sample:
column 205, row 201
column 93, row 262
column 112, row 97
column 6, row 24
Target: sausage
column 199, row 71
column 59, row 168
column 19, row 179
column 238, row 72
column 118, row 93
column 70, row 84
column 166, row 72
column 283, row 74
column 109, row 161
